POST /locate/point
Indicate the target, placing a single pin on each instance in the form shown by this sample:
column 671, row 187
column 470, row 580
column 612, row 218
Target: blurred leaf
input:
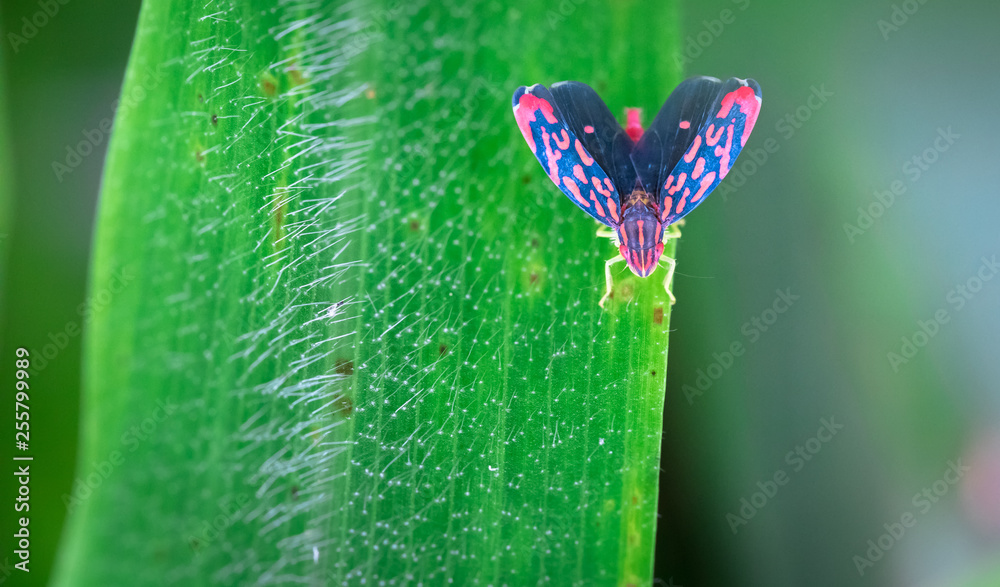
column 349, row 329
column 982, row 577
column 6, row 184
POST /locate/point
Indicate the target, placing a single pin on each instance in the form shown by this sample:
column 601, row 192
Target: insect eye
column 623, row 250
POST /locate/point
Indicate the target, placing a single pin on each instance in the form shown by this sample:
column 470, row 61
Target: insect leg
column 674, row 230
column 607, row 277
column 671, row 265
column 608, row 233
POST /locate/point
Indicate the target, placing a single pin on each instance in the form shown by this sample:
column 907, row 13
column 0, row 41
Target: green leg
column 671, row 265
column 608, row 233
column 608, row 280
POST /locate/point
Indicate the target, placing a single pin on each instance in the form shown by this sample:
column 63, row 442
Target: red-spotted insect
column 638, row 183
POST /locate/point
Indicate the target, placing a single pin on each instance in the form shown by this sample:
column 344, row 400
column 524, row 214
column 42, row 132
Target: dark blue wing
column 694, row 141
column 603, row 137
column 563, row 154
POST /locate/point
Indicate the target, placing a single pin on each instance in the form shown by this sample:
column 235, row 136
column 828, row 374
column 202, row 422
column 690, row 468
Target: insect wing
column 601, row 134
column 563, row 155
column 673, row 130
column 696, row 138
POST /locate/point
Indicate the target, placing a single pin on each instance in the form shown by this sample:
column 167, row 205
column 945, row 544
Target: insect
column 638, row 184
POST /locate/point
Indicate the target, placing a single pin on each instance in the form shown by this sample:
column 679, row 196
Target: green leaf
column 6, row 186
column 349, row 328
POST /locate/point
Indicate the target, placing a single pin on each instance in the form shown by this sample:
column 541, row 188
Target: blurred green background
column 779, row 266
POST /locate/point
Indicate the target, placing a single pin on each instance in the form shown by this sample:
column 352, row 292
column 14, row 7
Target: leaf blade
column 368, row 372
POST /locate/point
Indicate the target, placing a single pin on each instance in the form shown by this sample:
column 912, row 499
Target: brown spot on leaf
column 200, row 97
column 343, row 406
column 269, row 87
column 160, row 554
column 295, row 492
column 414, row 225
column 533, row 277
column 215, row 120
column 343, row 366
column 278, row 220
column 653, row 372
column 526, row 178
column 534, row 243
column 443, row 349
column 370, row 93
column 658, row 315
